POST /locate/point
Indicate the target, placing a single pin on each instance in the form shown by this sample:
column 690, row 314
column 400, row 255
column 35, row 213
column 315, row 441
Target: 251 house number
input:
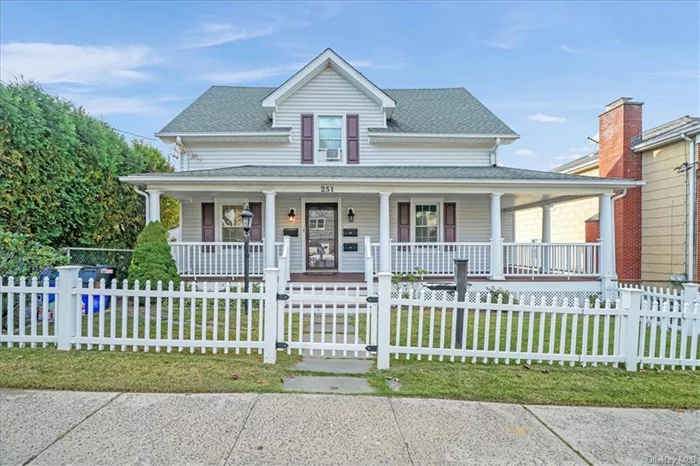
column 326, row 189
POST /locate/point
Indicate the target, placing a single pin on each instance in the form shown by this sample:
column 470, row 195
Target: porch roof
column 375, row 174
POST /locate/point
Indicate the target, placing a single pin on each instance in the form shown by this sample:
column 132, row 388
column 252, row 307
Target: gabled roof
column 587, row 161
column 234, row 109
column 433, row 111
column 328, row 58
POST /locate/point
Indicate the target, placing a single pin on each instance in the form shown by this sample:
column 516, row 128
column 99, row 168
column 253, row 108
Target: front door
column 321, row 236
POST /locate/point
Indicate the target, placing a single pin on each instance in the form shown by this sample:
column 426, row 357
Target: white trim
column 439, row 202
column 644, row 146
column 338, row 246
column 327, row 58
column 343, row 138
column 218, row 203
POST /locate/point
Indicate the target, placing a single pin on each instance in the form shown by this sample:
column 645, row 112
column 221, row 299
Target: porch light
column 351, row 214
column 247, row 216
column 291, row 215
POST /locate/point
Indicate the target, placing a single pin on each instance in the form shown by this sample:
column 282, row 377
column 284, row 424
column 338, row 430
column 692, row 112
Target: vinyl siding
column 329, row 93
column 567, row 219
column 663, row 212
column 473, row 222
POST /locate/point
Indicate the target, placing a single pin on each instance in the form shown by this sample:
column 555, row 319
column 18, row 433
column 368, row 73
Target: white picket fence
column 644, row 328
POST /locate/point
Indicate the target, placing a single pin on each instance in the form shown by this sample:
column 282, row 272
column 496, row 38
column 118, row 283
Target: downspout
column 148, row 210
column 691, row 202
column 493, row 153
column 615, row 198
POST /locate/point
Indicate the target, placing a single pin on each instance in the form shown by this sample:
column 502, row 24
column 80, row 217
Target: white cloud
column 369, row 64
column 517, row 27
column 542, row 118
column 251, row 75
column 211, row 34
column 77, row 64
column 524, row 153
column 569, row 49
column 113, row 105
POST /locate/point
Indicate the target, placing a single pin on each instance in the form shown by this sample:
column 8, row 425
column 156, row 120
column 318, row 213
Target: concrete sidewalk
column 52, row 428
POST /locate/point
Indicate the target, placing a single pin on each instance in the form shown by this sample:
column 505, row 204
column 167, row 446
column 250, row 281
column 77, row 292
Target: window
column 330, row 132
column 317, row 223
column 426, row 223
column 231, row 223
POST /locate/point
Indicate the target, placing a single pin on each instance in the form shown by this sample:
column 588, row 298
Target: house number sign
column 326, row 189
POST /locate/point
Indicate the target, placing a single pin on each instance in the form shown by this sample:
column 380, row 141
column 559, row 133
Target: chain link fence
column 120, row 259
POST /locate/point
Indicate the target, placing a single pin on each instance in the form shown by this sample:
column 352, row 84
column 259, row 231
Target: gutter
column 691, row 202
column 647, row 145
column 493, row 153
column 148, row 207
column 615, row 198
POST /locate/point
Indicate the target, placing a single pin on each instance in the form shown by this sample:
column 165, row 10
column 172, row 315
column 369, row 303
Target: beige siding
column 663, row 212
column 330, row 93
column 568, row 219
column 473, row 221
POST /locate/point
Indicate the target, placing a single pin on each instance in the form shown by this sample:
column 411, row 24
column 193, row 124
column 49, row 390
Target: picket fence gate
column 640, row 327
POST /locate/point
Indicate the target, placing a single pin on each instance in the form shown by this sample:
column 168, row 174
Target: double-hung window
column 330, row 132
column 426, row 223
column 231, row 223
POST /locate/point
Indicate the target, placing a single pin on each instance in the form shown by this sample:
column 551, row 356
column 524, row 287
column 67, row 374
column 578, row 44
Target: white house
column 355, row 179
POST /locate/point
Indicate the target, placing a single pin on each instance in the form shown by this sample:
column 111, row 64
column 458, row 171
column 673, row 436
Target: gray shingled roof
column 576, row 162
column 239, row 109
column 365, row 172
column 675, row 127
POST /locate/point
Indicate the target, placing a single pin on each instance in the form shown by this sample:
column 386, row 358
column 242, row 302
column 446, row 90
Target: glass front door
column 321, row 239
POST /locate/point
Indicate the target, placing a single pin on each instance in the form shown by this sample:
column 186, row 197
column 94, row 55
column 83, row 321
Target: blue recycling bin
column 96, row 272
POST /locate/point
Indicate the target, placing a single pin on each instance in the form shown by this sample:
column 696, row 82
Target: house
column 347, row 179
column 656, row 233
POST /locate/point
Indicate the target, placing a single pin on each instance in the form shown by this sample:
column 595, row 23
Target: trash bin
column 97, row 273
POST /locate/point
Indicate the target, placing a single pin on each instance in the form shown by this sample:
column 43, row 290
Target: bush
column 22, row 256
column 496, row 292
column 152, row 259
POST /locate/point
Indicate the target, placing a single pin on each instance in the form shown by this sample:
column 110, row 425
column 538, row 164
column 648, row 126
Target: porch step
column 335, row 365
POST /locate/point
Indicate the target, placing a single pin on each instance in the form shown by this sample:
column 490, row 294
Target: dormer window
column 330, row 137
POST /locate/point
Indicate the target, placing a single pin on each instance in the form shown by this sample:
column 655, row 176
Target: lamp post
column 247, row 217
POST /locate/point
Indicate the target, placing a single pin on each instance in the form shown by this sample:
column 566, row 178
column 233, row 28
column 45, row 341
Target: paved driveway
column 51, row 428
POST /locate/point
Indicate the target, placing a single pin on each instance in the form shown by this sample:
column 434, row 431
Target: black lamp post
column 247, row 217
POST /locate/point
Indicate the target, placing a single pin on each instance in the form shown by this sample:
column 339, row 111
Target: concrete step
column 335, row 365
column 315, row 384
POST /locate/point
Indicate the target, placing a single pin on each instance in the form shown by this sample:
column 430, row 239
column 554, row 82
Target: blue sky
column 546, row 69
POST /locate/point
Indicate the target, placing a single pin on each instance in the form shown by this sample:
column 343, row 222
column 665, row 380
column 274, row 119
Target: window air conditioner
column 332, row 154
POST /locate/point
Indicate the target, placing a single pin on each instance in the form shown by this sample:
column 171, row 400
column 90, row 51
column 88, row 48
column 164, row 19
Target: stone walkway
column 53, row 428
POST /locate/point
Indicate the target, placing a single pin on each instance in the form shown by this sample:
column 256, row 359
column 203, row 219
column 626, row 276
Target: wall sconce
column 291, row 215
column 351, row 214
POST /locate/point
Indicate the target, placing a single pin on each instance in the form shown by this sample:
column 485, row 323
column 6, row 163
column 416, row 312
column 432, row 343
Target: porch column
column 384, row 230
column 496, row 238
column 154, row 204
column 270, row 259
column 546, row 235
column 607, row 244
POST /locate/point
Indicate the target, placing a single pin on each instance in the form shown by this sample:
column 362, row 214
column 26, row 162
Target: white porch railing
column 216, row 259
column 437, row 259
column 569, row 259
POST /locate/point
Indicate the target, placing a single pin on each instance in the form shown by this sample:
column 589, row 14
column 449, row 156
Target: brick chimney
column 618, row 125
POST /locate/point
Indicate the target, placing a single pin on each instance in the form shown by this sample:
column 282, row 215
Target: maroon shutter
column 353, row 139
column 307, row 139
column 450, row 223
column 404, row 233
column 208, row 223
column 256, row 227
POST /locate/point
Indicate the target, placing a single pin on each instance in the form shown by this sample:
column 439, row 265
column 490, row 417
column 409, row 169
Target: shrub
column 22, row 256
column 496, row 292
column 152, row 259
column 408, row 284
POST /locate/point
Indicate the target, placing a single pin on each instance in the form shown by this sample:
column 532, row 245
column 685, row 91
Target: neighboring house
column 359, row 180
column 663, row 222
